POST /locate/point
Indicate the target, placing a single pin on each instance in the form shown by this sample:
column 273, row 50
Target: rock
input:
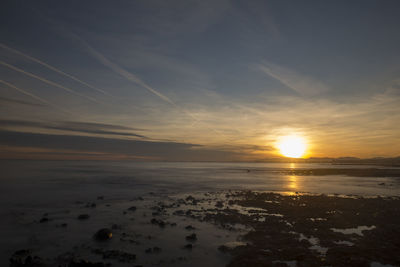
column 219, row 204
column 84, row 263
column 192, row 237
column 160, row 223
column 189, row 227
column 83, row 217
column 188, row 246
column 44, row 220
column 90, row 205
column 100, row 197
column 156, row 249
column 103, row 234
column 153, row 250
column 118, row 255
column 133, row 208
column 116, row 227
column 24, row 258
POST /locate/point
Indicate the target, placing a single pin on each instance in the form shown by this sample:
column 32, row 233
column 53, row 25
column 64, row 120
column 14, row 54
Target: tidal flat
column 225, row 228
column 196, row 214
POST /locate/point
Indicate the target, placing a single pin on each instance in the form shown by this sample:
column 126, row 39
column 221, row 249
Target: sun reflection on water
column 293, row 182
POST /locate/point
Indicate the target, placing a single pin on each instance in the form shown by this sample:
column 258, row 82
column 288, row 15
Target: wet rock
column 153, row 250
column 24, row 258
column 160, row 223
column 191, row 200
column 219, row 204
column 85, row 263
column 192, row 237
column 103, row 234
column 133, row 208
column 44, row 220
column 116, row 227
column 118, row 255
column 188, row 246
column 90, row 205
column 83, row 217
column 190, row 227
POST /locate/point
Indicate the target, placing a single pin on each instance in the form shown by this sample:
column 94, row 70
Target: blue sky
column 225, row 77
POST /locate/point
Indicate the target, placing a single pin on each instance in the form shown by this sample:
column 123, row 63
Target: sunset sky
column 198, row 80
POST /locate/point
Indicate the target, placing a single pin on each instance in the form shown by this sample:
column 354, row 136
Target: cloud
column 19, row 102
column 80, row 127
column 49, row 82
column 34, row 96
column 303, row 85
column 53, row 68
column 118, row 147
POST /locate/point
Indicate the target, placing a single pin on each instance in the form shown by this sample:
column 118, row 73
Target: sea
column 29, row 189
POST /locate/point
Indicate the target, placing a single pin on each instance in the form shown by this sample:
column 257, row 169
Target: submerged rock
column 103, row 234
column 83, row 216
column 153, row 250
column 84, row 263
column 24, row 258
column 189, row 227
column 192, row 237
column 118, row 255
column 44, row 220
column 133, row 208
column 188, row 246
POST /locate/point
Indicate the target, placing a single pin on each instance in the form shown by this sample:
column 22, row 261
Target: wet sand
column 232, row 228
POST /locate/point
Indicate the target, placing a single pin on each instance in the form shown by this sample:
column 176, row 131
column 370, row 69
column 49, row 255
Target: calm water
column 31, row 188
column 52, row 182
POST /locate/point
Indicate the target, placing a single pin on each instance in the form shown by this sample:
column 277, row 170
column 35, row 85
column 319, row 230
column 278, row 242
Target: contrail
column 49, row 82
column 53, row 68
column 133, row 78
column 33, row 96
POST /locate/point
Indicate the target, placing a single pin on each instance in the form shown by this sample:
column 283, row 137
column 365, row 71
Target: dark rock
column 160, row 223
column 100, row 197
column 90, row 205
column 44, row 220
column 189, row 227
column 118, row 255
column 156, row 249
column 84, row 263
column 24, row 258
column 103, row 234
column 133, row 208
column 192, row 237
column 83, row 217
column 188, row 246
column 116, row 227
column 153, row 250
column 219, row 204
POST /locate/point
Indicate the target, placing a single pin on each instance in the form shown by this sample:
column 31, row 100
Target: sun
column 292, row 146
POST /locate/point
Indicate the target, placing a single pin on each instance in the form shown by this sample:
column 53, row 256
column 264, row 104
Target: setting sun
column 292, row 146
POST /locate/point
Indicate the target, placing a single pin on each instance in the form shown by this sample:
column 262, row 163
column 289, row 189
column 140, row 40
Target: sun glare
column 292, row 146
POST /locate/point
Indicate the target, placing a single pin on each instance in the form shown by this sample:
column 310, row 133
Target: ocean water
column 29, row 189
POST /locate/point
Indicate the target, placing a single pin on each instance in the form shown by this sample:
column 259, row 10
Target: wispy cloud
column 302, row 84
column 117, row 147
column 20, row 102
column 69, row 126
column 34, row 96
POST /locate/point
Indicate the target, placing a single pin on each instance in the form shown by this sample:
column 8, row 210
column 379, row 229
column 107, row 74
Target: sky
column 198, row 80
